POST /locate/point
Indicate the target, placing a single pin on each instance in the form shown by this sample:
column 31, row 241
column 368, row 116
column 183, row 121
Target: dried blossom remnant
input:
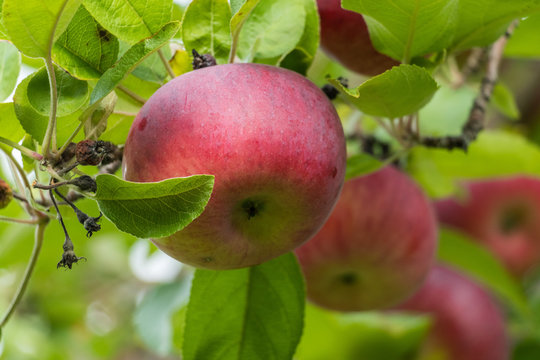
column 202, row 61
column 92, row 152
column 84, row 183
column 68, row 259
column 6, row 194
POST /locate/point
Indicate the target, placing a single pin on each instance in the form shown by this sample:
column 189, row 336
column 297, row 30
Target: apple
column 467, row 324
column 376, row 247
column 274, row 143
column 501, row 213
column 345, row 37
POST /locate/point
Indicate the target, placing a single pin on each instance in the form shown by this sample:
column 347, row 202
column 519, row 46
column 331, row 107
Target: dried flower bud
column 202, row 61
column 84, row 183
column 6, row 194
column 86, row 153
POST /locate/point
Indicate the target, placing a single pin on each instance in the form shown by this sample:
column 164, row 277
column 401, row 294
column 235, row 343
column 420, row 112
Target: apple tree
column 224, row 132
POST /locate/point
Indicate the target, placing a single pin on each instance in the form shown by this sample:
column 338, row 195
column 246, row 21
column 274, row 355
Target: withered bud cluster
column 6, row 194
column 92, row 152
column 202, row 61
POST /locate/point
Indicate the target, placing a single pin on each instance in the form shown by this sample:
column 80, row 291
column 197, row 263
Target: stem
column 131, row 94
column 70, row 139
column 19, row 221
column 24, row 150
column 51, row 186
column 51, row 126
column 166, row 64
column 22, row 175
column 234, row 46
column 40, row 230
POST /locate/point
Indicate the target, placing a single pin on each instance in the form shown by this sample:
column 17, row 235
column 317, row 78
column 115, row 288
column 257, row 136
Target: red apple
column 467, row 325
column 375, row 249
column 345, row 37
column 274, row 143
column 503, row 214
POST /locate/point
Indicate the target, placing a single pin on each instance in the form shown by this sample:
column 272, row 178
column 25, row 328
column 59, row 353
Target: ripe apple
column 467, row 324
column 345, row 37
column 376, row 247
column 274, row 143
column 503, row 214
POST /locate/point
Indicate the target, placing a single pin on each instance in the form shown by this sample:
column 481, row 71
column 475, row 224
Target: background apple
column 345, row 37
column 503, row 214
column 467, row 323
column 274, row 143
column 375, row 249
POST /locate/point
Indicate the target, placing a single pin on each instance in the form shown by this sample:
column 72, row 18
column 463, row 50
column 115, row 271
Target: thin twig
column 24, row 150
column 131, row 94
column 19, row 221
column 472, row 65
column 166, row 64
column 38, row 241
column 475, row 123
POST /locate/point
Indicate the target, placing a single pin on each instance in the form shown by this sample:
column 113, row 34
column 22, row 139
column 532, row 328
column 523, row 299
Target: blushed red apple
column 376, row 247
column 467, row 324
column 345, row 37
column 501, row 213
column 274, row 143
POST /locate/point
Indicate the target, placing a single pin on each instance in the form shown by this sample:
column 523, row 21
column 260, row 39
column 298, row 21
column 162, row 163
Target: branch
column 475, row 123
column 40, row 230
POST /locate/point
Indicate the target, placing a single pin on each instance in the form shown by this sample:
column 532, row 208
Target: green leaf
column 152, row 210
column 10, row 66
column 131, row 58
column 152, row 69
column 11, row 128
column 152, row 317
column 525, row 41
column 406, row 29
column 301, row 57
column 131, row 20
column 85, row 49
column 503, row 100
column 72, row 93
column 181, row 62
column 361, row 164
column 399, row 91
column 205, row 28
column 241, row 9
column 33, row 25
column 403, row 29
column 273, row 29
column 33, row 120
column 438, row 170
column 481, row 22
column 250, row 313
column 96, row 124
column 117, row 128
column 365, row 335
column 456, row 249
column 3, row 31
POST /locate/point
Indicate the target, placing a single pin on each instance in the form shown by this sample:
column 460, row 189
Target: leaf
column 479, row 263
column 205, row 28
column 152, row 69
column 96, row 124
column 399, row 91
column 362, row 335
column 131, row 20
column 85, row 49
column 11, row 128
column 241, row 9
column 117, row 128
column 503, row 100
column 361, row 164
column 181, row 63
column 10, row 66
column 3, row 31
column 35, row 122
column 33, row 25
column 405, row 29
column 131, row 58
column 273, row 29
column 153, row 210
column 250, row 313
column 72, row 93
column 152, row 316
column 301, row 57
column 525, row 41
column 438, row 170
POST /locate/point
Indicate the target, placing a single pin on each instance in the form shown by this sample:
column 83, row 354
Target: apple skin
column 345, row 37
column 274, row 143
column 501, row 213
column 376, row 247
column 467, row 324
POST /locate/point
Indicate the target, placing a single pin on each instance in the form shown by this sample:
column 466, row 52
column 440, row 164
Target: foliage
column 97, row 63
